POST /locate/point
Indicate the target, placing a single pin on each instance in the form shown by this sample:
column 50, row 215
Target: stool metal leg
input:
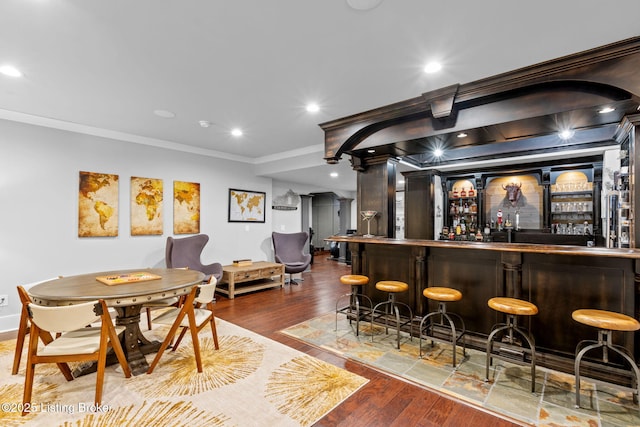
column 604, row 342
column 392, row 305
column 442, row 311
column 354, row 305
column 511, row 327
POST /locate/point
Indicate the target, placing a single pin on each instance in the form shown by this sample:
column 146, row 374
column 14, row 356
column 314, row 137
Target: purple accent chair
column 186, row 251
column 288, row 249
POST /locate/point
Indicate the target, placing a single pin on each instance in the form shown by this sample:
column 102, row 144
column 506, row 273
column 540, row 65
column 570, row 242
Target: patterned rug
column 250, row 381
column 507, row 395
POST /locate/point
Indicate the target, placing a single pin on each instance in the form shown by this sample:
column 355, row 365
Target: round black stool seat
column 354, row 311
column 606, row 322
column 510, row 350
column 443, row 295
column 392, row 287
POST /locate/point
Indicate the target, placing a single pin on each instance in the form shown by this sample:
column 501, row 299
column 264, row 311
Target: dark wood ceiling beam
column 572, row 83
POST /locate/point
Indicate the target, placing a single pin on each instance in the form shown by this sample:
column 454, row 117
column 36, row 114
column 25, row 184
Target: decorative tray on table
column 118, row 279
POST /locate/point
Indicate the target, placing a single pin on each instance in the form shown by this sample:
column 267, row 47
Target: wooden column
column 377, row 192
column 419, row 204
column 345, row 223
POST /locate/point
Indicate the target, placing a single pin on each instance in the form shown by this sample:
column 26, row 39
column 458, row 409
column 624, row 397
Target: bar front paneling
column 557, row 278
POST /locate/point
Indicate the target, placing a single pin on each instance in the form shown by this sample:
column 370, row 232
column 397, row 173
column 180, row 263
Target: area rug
column 507, row 394
column 250, row 381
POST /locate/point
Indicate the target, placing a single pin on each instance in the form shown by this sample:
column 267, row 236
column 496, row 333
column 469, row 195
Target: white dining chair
column 192, row 317
column 76, row 342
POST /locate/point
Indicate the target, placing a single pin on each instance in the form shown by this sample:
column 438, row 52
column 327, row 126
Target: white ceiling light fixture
column 432, row 67
column 438, row 152
column 10, row 71
column 237, row 132
column 165, row 114
column 566, row 134
column 462, row 135
column 312, row 107
column 363, row 4
column 205, row 123
column 333, row 174
column 606, row 110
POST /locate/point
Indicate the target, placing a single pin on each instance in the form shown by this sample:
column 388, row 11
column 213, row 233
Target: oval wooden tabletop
column 85, row 287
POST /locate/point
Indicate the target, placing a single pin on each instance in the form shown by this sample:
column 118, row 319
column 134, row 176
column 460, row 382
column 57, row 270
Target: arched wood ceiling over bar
column 511, row 114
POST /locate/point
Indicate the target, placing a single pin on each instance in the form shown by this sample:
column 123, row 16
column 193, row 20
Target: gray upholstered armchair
column 186, row 251
column 288, row 249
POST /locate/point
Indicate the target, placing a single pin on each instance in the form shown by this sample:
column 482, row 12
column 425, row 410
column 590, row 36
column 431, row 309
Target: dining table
column 126, row 291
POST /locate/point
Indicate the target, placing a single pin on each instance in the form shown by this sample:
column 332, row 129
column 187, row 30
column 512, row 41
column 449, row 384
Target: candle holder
column 368, row 216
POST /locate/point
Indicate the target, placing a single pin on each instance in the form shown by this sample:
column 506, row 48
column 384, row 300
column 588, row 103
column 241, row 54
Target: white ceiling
column 254, row 64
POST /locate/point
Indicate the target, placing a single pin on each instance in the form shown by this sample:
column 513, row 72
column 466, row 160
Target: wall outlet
column 4, row 300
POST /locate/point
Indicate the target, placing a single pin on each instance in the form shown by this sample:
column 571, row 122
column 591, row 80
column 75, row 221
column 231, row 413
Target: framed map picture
column 186, row 207
column 97, row 205
column 246, row 206
column 146, row 206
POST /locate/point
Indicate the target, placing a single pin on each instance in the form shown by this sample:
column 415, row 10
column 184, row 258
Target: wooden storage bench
column 258, row 275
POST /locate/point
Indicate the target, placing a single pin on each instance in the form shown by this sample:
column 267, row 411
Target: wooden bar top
column 601, row 252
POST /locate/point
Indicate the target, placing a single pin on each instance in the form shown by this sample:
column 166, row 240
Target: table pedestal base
column 134, row 344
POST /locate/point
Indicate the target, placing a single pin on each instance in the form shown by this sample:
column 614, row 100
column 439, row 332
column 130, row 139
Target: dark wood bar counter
column 558, row 279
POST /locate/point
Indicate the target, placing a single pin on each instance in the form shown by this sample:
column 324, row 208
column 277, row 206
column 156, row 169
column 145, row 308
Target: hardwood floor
column 385, row 400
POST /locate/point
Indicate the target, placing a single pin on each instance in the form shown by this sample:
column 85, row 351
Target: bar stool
column 513, row 308
column 606, row 322
column 353, row 309
column 443, row 295
column 392, row 287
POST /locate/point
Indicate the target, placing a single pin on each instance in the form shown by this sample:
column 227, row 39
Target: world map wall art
column 97, row 205
column 146, row 206
column 186, row 207
column 246, row 206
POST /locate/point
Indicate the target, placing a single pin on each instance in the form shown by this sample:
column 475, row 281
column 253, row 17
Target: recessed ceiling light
column 10, row 71
column 313, row 108
column 462, row 135
column 164, row 114
column 371, row 151
column 236, row 132
column 205, row 123
column 432, row 67
column 606, row 110
column 333, row 174
column 363, row 4
column 438, row 152
column 566, row 134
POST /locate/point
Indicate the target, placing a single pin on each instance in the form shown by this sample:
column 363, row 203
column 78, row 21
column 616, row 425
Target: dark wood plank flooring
column 385, row 400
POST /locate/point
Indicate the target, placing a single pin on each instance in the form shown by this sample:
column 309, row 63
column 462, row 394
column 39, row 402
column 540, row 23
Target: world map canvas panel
column 146, row 206
column 97, row 205
column 246, row 206
column 186, row 207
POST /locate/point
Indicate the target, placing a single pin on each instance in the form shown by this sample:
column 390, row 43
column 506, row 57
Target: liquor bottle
column 474, row 207
column 463, row 193
column 472, row 192
column 466, row 208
